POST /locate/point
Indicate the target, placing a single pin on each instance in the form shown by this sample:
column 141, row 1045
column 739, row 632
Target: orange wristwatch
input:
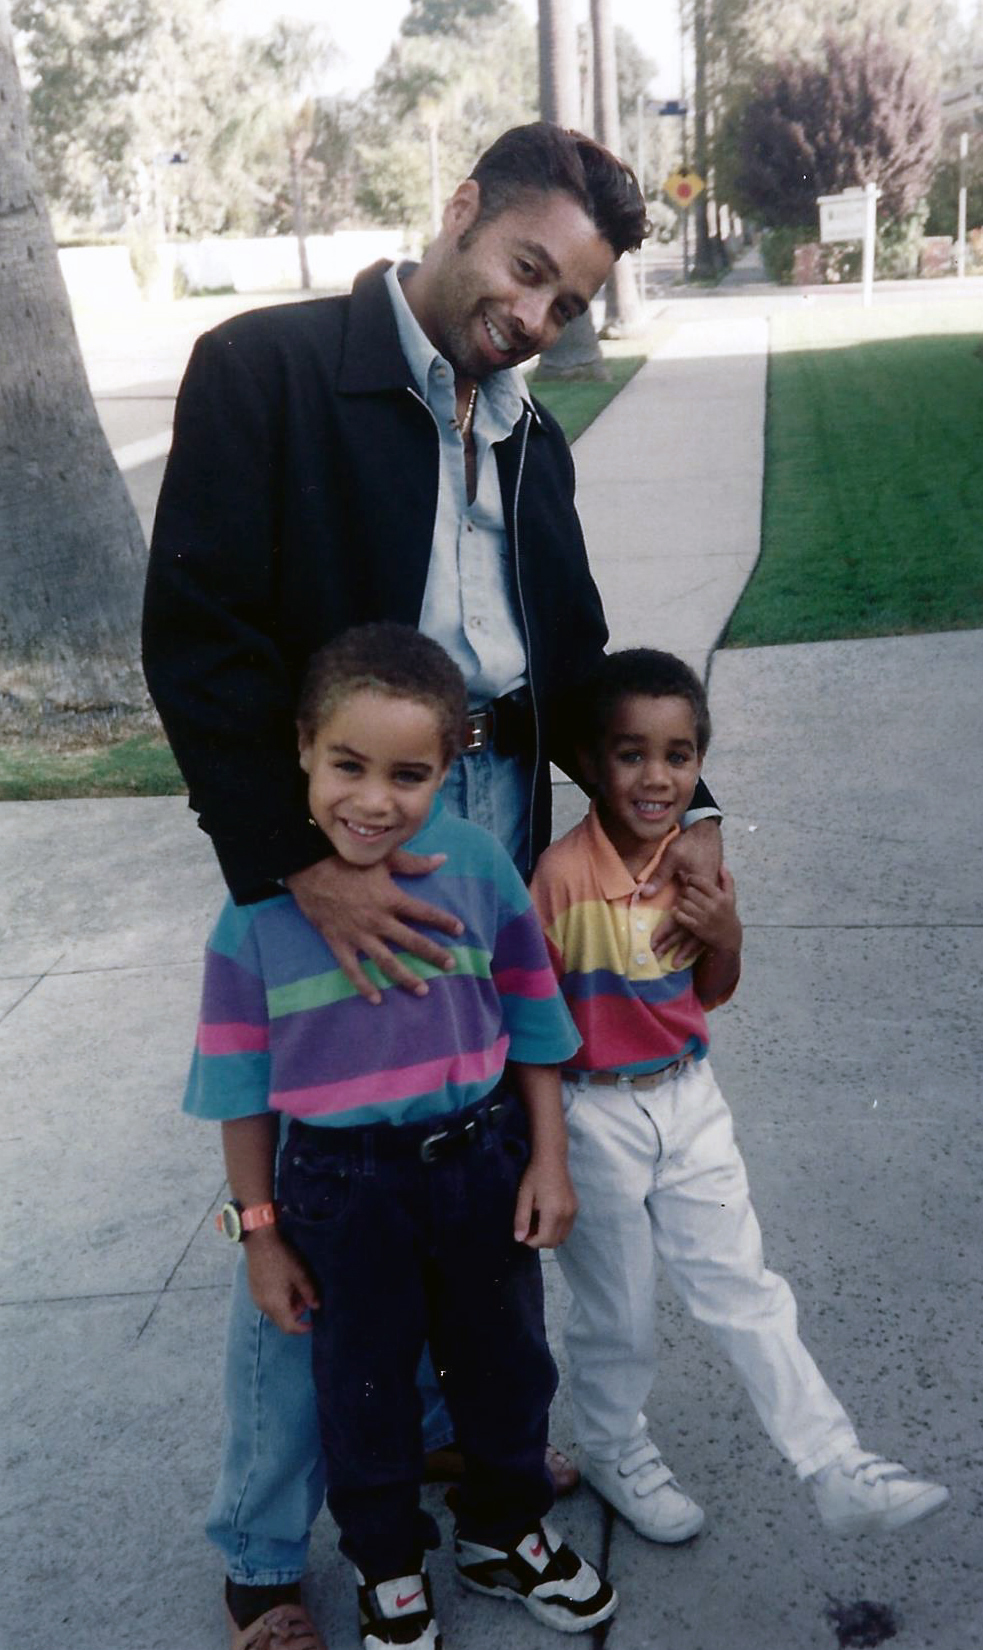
column 237, row 1222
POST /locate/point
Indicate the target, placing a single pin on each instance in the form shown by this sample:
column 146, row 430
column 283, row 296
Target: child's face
column 645, row 772
column 374, row 767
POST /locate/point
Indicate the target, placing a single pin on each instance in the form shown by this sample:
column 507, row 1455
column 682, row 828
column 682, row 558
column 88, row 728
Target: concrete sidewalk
column 850, row 1062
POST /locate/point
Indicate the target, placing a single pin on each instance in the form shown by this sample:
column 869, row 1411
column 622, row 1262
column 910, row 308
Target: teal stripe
column 320, row 990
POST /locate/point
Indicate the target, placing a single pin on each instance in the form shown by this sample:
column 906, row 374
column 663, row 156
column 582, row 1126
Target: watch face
column 231, row 1222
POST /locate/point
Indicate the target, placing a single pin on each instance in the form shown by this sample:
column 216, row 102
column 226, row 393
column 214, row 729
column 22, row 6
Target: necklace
column 464, row 424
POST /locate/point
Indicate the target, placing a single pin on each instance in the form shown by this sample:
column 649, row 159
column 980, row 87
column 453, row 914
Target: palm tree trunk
column 577, row 353
column 72, row 556
column 622, row 310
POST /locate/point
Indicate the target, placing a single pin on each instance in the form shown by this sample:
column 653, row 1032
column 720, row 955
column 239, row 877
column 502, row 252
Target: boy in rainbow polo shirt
column 423, row 1167
column 651, row 1145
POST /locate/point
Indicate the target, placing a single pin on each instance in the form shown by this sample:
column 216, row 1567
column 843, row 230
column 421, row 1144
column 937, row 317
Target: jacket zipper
column 525, row 629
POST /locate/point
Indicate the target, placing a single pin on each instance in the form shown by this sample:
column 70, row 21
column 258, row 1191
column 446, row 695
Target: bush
column 778, row 250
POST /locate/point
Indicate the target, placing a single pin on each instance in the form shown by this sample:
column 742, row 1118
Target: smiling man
column 369, row 457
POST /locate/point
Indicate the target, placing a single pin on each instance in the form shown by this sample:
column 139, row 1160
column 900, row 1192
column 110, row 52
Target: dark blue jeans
column 409, row 1243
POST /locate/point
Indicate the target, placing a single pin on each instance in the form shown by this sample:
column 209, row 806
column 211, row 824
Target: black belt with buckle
column 445, row 1142
column 508, row 725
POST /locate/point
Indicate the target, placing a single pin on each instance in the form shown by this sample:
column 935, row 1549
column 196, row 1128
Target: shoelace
column 645, row 1466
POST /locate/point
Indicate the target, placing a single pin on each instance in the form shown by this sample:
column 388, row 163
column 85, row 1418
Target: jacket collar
column 372, row 358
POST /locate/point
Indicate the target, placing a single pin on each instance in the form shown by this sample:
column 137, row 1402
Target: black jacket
column 299, row 499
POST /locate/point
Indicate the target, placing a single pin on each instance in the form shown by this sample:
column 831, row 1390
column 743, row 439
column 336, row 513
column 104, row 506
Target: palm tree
column 622, row 311
column 577, row 353
column 71, row 552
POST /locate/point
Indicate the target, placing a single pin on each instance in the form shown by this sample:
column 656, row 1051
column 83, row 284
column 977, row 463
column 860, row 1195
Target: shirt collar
column 507, row 392
column 615, row 879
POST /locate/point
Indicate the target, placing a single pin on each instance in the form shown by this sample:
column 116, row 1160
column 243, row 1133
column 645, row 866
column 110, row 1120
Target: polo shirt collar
column 613, row 875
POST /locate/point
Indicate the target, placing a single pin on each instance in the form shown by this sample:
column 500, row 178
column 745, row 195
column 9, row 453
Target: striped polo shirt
column 634, row 1011
column 282, row 1029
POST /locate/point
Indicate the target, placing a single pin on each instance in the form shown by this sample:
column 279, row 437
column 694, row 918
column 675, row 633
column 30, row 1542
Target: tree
column 622, row 310
column 442, row 97
column 119, row 87
column 71, row 573
column 576, row 353
column 809, row 130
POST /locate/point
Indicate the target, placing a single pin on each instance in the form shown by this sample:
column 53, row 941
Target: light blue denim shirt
column 470, row 605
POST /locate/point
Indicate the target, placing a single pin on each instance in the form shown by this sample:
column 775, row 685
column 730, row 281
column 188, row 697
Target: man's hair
column 636, row 670
column 392, row 659
column 544, row 157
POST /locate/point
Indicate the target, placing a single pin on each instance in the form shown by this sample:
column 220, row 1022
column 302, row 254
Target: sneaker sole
column 675, row 1538
column 894, row 1518
column 551, row 1615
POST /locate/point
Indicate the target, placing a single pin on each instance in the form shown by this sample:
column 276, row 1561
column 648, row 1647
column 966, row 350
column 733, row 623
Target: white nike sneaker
column 554, row 1583
column 397, row 1612
column 862, row 1494
column 643, row 1490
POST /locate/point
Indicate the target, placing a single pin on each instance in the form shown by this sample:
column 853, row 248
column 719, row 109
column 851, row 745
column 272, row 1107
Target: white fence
column 104, row 274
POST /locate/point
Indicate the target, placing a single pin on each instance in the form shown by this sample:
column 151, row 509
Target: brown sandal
column 285, row 1627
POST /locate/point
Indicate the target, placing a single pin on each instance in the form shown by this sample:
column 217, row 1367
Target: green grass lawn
column 141, row 766
column 873, row 503
column 575, row 405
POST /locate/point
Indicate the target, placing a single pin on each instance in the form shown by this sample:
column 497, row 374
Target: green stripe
column 320, row 990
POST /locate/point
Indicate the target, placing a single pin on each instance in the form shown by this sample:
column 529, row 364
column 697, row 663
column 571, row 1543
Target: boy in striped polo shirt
column 651, row 1145
column 425, row 1161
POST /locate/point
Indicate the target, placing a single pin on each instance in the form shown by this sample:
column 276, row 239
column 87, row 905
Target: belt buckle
column 430, row 1147
column 478, row 732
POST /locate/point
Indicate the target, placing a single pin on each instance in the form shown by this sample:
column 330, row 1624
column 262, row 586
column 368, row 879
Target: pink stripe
column 233, row 1037
column 382, row 1087
column 525, row 982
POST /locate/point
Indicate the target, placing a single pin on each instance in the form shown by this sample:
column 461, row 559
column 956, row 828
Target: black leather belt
column 508, row 725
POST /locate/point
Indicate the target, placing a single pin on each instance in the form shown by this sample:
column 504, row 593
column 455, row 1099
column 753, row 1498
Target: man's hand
column 279, row 1281
column 546, row 1205
column 697, row 852
column 360, row 911
column 708, row 910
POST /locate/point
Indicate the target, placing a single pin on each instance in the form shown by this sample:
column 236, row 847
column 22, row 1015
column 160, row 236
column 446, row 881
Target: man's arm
column 218, row 674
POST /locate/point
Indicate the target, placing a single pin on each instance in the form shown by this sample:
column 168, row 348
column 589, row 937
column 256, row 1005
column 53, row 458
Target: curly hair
column 391, row 659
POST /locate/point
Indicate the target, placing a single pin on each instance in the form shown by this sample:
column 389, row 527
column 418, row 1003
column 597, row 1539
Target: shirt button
column 640, row 925
column 641, row 957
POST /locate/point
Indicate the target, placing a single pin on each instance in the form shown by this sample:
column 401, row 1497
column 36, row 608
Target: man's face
column 504, row 291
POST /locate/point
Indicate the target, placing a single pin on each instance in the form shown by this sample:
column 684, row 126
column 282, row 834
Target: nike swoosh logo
column 401, row 1602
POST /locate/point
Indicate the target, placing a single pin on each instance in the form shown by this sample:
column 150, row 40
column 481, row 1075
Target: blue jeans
column 407, row 1248
column 271, row 1481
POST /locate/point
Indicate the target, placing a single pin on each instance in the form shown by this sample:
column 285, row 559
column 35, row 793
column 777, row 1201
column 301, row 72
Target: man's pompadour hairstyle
column 544, row 157
column 387, row 658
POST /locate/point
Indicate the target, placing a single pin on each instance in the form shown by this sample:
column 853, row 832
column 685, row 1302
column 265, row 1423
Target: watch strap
column 260, row 1214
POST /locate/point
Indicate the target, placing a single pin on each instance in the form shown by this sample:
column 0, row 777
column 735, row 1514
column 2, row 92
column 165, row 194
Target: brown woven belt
column 636, row 1080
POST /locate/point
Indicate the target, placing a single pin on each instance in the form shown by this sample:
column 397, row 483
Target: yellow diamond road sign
column 683, row 187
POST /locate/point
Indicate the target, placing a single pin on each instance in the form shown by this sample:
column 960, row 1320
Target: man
column 359, row 458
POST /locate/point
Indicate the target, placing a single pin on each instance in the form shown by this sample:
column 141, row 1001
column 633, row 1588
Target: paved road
column 850, row 1054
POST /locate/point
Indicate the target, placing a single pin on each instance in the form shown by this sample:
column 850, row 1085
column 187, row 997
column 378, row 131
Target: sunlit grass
column 873, row 501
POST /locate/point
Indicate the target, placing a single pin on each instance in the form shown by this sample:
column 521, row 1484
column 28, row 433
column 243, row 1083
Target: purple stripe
column 456, row 1014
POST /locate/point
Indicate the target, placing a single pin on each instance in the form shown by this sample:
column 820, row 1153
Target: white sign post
column 852, row 216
